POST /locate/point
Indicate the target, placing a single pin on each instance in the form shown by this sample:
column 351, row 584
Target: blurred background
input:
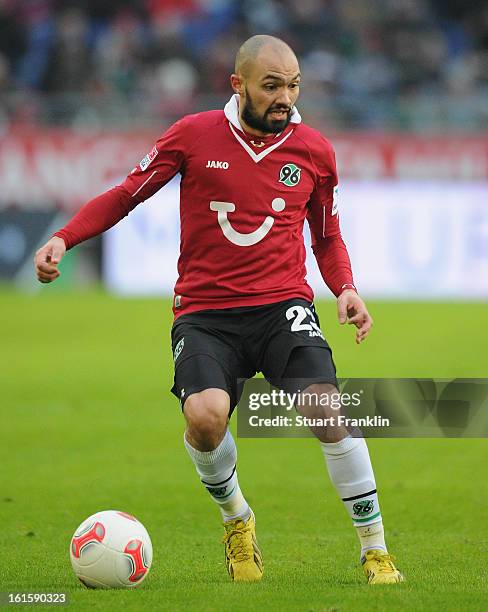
column 400, row 87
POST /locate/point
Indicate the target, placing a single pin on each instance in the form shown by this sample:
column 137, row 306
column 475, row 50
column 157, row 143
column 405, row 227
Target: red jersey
column 243, row 203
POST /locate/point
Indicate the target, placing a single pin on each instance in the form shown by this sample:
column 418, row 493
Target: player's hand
column 47, row 258
column 351, row 308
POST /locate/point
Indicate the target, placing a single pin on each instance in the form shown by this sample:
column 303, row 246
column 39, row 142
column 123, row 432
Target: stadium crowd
column 367, row 64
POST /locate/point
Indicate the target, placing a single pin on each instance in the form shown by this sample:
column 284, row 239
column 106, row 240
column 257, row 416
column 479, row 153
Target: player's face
column 270, row 92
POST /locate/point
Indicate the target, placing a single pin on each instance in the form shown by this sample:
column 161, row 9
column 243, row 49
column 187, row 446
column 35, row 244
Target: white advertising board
column 406, row 239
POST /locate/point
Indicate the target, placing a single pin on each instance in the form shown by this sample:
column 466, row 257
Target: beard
column 262, row 122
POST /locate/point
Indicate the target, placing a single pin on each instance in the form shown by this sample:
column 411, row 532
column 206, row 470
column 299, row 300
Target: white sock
column 352, row 474
column 217, row 471
column 372, row 537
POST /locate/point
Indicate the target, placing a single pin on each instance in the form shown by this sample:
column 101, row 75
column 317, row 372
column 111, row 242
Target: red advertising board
column 44, row 169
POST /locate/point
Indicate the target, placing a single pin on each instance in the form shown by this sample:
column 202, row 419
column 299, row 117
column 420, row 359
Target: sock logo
column 363, row 507
column 217, row 491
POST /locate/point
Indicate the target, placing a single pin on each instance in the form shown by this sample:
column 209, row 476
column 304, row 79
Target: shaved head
column 250, row 50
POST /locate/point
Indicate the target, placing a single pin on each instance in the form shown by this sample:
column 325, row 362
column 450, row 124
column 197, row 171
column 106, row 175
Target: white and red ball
column 111, row 549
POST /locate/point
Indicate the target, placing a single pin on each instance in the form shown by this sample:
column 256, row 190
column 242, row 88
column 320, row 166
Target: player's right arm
column 98, row 215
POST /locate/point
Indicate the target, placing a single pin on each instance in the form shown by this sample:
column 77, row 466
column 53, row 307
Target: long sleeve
column 323, row 218
column 153, row 172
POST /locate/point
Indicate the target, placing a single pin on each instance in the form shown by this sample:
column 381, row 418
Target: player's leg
column 347, row 458
column 207, row 393
column 213, row 450
column 296, row 357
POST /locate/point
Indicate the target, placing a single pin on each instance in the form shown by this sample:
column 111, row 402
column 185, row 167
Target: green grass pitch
column 88, row 424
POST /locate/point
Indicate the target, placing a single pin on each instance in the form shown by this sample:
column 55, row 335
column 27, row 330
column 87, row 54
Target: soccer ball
column 111, row 550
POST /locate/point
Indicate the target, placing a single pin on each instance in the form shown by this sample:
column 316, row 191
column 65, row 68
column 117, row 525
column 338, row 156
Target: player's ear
column 237, row 83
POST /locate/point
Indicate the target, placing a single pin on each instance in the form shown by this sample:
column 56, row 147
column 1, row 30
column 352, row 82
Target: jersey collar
column 231, row 111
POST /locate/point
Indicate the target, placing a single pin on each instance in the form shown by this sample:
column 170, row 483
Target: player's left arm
column 330, row 250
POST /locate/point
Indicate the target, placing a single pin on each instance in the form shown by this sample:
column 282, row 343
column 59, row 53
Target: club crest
column 290, row 175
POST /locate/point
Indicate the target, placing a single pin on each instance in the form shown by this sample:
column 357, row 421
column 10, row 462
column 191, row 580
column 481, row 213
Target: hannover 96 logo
column 290, row 175
column 217, row 491
column 363, row 508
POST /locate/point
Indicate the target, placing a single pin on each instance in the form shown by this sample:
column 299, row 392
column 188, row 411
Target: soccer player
column 251, row 174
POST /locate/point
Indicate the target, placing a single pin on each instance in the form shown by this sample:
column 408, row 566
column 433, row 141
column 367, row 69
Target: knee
column 320, row 400
column 207, row 415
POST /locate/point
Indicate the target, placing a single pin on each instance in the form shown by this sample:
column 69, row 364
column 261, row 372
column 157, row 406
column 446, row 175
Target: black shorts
column 221, row 348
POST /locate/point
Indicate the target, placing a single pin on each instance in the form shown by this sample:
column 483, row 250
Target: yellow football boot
column 242, row 556
column 379, row 568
